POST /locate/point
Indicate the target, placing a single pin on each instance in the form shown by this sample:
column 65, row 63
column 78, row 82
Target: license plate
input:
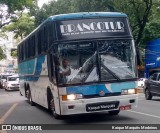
column 15, row 85
column 102, row 106
column 127, row 107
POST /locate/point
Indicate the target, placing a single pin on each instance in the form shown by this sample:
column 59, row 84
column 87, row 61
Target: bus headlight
column 129, row 91
column 71, row 97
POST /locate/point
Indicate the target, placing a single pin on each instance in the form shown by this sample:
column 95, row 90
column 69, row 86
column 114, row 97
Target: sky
column 41, row 2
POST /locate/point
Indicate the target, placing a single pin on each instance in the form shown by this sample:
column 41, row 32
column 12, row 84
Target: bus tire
column 114, row 112
column 30, row 98
column 52, row 106
column 148, row 94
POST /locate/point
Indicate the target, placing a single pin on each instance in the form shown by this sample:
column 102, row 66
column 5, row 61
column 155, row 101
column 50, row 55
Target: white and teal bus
column 80, row 63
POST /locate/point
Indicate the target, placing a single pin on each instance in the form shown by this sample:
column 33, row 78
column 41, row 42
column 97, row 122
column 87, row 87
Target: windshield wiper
column 112, row 73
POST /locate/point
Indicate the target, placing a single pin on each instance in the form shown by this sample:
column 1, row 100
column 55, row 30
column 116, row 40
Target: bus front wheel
column 114, row 112
column 52, row 108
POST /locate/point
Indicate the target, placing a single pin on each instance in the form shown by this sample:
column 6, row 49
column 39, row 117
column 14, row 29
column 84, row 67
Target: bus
column 80, row 63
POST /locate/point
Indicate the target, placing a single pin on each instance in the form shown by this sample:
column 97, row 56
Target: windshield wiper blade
column 112, row 73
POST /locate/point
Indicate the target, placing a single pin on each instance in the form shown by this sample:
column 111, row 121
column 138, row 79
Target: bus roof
column 86, row 15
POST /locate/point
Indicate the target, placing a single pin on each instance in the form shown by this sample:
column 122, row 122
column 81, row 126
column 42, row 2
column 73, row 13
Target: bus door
column 52, row 68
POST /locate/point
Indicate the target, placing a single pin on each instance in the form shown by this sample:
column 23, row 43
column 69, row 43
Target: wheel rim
column 52, row 107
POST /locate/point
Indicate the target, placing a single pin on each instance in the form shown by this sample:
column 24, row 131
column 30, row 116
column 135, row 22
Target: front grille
column 15, row 84
column 106, row 95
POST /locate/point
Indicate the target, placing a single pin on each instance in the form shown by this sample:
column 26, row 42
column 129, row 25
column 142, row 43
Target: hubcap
column 52, row 105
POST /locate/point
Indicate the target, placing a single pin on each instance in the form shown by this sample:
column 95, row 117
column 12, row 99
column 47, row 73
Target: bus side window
column 43, row 47
column 51, row 68
column 36, row 43
column 51, row 35
column 24, row 53
column 45, row 39
column 19, row 53
column 39, row 42
column 33, row 45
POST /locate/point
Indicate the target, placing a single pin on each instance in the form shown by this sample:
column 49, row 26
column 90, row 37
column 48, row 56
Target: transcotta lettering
column 93, row 26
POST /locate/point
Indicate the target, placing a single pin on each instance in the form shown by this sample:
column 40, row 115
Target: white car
column 141, row 82
column 4, row 79
column 12, row 83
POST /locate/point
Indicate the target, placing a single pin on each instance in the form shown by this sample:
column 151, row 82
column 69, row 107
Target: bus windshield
column 95, row 61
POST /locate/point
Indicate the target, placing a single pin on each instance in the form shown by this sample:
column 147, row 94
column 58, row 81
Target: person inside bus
column 64, row 71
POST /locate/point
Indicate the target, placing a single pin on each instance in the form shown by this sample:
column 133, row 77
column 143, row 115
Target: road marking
column 8, row 113
column 144, row 114
column 4, row 117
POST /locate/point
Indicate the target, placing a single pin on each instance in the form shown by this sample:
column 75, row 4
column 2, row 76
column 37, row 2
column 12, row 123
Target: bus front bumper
column 101, row 104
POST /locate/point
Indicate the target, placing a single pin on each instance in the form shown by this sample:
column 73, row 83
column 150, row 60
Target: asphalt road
column 14, row 109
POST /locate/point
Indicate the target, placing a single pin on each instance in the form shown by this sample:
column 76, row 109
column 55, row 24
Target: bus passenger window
column 39, row 42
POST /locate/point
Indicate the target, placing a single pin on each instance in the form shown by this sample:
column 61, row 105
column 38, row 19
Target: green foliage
column 2, row 55
column 22, row 27
column 3, row 35
column 9, row 9
column 93, row 5
column 14, row 52
column 70, row 6
column 53, row 8
column 152, row 28
column 14, row 5
column 138, row 12
column 151, row 32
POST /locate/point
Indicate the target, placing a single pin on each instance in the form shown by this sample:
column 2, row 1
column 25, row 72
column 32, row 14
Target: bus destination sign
column 93, row 28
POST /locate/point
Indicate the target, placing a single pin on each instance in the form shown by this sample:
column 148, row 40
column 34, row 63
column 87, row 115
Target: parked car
column 3, row 80
column 152, row 86
column 12, row 83
column 141, row 82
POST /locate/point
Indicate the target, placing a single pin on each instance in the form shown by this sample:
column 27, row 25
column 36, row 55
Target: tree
column 139, row 12
column 93, row 5
column 152, row 29
column 151, row 32
column 70, row 6
column 22, row 27
column 9, row 9
column 14, row 52
column 53, row 8
column 2, row 55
